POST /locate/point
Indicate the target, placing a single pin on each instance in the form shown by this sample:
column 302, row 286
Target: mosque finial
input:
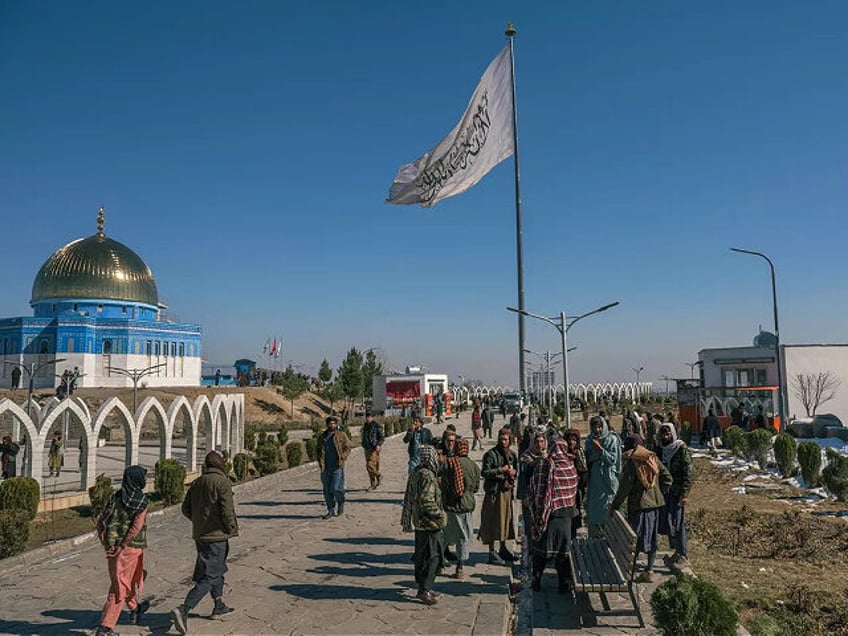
column 100, row 221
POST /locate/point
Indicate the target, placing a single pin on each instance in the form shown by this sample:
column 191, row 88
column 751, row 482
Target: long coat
column 604, row 467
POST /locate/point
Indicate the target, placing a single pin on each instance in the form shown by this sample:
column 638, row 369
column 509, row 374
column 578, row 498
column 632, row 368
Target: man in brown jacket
column 209, row 505
column 332, row 451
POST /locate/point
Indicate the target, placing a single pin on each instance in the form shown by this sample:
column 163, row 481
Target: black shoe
column 105, row 631
column 495, row 559
column 341, row 510
column 180, row 617
column 536, row 584
column 426, row 598
column 139, row 609
column 221, row 609
column 330, row 514
column 450, row 556
column 506, row 555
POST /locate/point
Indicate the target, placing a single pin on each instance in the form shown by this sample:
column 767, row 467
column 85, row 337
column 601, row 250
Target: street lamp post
column 780, row 409
column 692, row 366
column 563, row 325
column 67, row 382
column 638, row 372
column 135, row 375
column 31, row 371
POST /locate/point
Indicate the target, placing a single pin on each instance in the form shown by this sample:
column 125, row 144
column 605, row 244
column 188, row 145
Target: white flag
column 480, row 141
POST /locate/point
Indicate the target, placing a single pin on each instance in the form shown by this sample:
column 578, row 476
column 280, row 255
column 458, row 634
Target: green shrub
column 686, row 606
column 311, row 448
column 785, row 451
column 14, row 531
column 758, row 444
column 169, row 481
column 733, row 439
column 20, row 493
column 240, row 464
column 250, row 436
column 686, row 433
column 809, row 457
column 294, row 454
column 835, row 474
column 100, row 494
column 267, row 458
column 262, row 438
column 283, row 436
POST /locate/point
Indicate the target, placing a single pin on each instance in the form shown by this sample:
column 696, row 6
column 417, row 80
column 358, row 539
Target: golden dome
column 95, row 267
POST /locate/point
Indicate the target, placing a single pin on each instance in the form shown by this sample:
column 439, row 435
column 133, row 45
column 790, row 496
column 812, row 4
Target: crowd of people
column 559, row 481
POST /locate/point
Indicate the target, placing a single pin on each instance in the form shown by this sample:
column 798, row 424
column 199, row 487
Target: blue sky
column 245, row 150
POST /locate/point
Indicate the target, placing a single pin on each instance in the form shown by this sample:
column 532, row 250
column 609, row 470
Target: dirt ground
column 781, row 559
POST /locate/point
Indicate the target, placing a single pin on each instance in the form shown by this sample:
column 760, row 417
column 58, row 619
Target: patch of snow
column 756, row 476
column 745, row 585
column 739, row 490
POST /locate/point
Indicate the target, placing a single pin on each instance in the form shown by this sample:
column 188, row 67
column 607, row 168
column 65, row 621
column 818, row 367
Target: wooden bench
column 607, row 564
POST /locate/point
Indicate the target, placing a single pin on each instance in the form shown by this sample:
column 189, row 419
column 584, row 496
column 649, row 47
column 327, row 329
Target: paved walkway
column 290, row 572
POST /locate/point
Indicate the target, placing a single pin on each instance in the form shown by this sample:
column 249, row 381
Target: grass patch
column 780, row 562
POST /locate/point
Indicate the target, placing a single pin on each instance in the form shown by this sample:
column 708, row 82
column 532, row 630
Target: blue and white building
column 96, row 306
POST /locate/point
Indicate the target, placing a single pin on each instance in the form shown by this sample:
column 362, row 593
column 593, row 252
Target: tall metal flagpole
column 519, row 233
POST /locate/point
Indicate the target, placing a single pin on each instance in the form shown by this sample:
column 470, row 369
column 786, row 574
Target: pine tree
column 325, row 373
column 349, row 375
column 373, row 366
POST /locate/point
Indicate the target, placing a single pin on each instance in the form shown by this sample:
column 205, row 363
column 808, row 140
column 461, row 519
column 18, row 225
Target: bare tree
column 814, row 389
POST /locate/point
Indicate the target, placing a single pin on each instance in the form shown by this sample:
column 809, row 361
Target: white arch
column 152, row 404
column 33, row 461
column 131, row 439
column 191, row 434
column 202, row 406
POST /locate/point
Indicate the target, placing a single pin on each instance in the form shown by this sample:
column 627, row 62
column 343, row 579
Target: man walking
column 488, row 418
column 416, row 437
column 332, row 451
column 209, row 505
column 372, row 442
column 8, row 452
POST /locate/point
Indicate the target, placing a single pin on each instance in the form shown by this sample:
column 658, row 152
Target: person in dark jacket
column 676, row 457
column 331, row 452
column 500, row 469
column 487, row 418
column 372, row 443
column 416, row 437
column 8, row 454
column 428, row 519
column 209, row 505
column 712, row 430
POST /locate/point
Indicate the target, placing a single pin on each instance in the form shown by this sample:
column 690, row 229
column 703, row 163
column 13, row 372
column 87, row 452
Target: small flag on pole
column 279, row 351
column 480, row 141
column 266, row 346
column 273, row 351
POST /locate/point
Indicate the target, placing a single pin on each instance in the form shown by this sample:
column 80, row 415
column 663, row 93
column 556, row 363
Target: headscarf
column 632, row 441
column 645, row 463
column 429, row 458
column 553, row 486
column 461, row 447
column 453, row 479
column 130, row 497
column 669, row 450
column 509, row 482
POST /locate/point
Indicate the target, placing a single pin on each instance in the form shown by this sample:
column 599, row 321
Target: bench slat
column 623, row 541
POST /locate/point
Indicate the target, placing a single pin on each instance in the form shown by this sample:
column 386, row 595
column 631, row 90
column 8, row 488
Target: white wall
column 814, row 359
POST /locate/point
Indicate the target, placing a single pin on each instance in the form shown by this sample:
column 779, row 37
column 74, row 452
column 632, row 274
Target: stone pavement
column 290, row 572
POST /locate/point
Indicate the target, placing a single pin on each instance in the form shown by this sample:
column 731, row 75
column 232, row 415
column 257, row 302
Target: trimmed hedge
column 758, row 444
column 14, row 532
column 835, row 475
column 283, row 436
column 169, row 482
column 294, row 454
column 311, row 448
column 240, row 464
column 100, row 494
column 267, row 458
column 686, row 606
column 686, row 433
column 20, row 494
column 809, row 457
column 785, row 451
column 733, row 439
